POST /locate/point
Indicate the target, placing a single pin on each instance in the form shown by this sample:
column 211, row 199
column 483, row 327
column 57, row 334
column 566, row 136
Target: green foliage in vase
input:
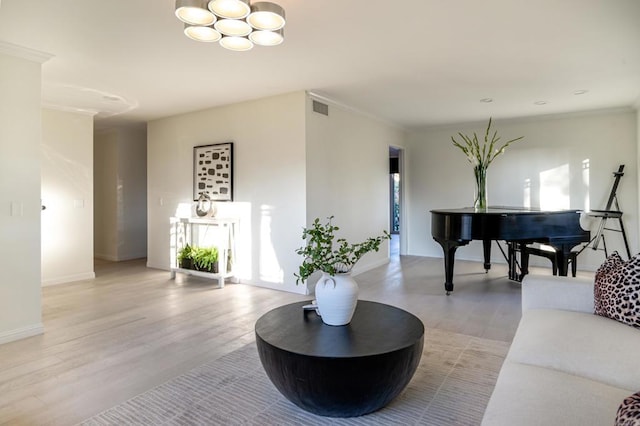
column 482, row 156
column 322, row 253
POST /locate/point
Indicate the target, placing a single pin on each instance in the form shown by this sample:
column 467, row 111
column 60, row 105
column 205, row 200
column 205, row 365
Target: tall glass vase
column 480, row 195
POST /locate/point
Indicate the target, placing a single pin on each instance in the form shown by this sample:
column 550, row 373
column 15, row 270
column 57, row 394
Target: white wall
column 269, row 182
column 120, row 161
column 440, row 176
column 637, row 108
column 132, row 187
column 348, row 175
column 67, row 193
column 20, row 136
column 105, row 163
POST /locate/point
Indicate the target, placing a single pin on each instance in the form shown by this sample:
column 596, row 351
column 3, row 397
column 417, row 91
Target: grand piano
column 453, row 228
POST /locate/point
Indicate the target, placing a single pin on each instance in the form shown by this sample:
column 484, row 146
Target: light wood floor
column 132, row 328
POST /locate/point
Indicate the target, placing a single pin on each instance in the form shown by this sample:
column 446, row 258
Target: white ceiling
column 414, row 63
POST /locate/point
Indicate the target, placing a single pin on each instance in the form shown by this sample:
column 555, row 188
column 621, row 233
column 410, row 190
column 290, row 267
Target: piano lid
column 501, row 210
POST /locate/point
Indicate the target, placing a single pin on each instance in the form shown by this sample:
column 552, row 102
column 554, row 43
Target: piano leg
column 524, row 261
column 486, row 246
column 449, row 248
column 563, row 254
column 562, row 259
column 512, row 260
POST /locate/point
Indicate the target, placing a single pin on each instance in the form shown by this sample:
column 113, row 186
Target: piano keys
column 453, row 228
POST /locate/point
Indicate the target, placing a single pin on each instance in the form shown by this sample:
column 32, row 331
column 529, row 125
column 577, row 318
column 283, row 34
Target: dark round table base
column 343, row 386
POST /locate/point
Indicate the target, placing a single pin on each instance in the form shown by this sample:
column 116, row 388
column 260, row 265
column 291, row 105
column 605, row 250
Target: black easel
column 607, row 214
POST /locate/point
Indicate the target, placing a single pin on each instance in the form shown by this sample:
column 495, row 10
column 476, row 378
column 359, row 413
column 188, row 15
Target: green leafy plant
column 322, row 253
column 482, row 156
column 206, row 258
column 185, row 257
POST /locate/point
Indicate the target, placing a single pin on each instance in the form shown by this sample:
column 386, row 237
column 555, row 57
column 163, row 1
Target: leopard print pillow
column 629, row 411
column 617, row 290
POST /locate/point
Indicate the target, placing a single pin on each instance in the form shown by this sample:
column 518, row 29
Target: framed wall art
column 213, row 171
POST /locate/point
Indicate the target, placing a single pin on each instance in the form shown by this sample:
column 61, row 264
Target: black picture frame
column 213, row 171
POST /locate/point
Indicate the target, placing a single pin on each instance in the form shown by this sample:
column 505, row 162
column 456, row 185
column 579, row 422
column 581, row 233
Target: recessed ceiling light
column 580, row 92
column 540, row 102
column 486, row 100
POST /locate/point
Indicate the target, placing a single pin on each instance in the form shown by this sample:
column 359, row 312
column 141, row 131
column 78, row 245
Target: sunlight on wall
column 270, row 269
column 585, row 182
column 241, row 211
column 526, row 202
column 554, row 188
column 184, row 210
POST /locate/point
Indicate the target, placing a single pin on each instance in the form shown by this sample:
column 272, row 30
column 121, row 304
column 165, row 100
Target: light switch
column 79, row 204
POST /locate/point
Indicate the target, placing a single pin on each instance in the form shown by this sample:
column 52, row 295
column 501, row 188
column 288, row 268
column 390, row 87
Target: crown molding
column 530, row 118
column 63, row 108
column 24, row 52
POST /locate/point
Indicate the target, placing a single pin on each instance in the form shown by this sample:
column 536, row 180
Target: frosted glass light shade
column 239, row 44
column 230, row 9
column 201, row 33
column 266, row 16
column 233, row 27
column 267, row 38
column 236, row 24
column 194, row 12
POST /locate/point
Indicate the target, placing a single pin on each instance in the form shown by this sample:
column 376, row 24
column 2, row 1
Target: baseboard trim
column 68, row 279
column 108, row 257
column 155, row 266
column 298, row 289
column 359, row 269
column 111, row 258
column 21, row 333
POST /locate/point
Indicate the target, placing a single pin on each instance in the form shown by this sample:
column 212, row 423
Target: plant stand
column 205, row 232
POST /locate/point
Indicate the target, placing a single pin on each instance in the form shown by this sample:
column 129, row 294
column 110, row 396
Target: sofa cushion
column 629, row 411
column 581, row 344
column 531, row 395
column 617, row 290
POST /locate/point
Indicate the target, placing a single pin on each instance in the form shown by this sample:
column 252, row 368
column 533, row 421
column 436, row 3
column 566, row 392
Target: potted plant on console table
column 206, row 259
column 336, row 291
column 185, row 257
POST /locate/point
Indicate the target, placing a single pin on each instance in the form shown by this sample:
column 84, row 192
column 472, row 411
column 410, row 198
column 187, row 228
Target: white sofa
column 566, row 366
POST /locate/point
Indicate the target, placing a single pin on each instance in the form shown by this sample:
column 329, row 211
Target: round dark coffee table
column 342, row 371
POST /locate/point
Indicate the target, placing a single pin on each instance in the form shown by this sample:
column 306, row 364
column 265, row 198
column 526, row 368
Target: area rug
column 452, row 386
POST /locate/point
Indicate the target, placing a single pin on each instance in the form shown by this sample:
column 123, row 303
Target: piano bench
column 551, row 255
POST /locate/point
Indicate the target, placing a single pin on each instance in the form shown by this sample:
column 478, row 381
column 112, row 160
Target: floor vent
column 320, row 108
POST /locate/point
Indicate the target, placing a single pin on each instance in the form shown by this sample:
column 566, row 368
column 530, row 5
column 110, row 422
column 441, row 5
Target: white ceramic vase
column 336, row 298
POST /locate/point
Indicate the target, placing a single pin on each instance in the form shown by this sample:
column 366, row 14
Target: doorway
column 395, row 199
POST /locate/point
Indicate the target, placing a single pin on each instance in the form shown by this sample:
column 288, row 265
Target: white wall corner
column 21, row 333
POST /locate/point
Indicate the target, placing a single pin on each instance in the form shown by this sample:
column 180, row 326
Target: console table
column 343, row 371
column 218, row 232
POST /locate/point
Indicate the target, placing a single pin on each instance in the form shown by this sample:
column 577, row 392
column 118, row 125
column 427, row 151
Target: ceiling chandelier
column 235, row 24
